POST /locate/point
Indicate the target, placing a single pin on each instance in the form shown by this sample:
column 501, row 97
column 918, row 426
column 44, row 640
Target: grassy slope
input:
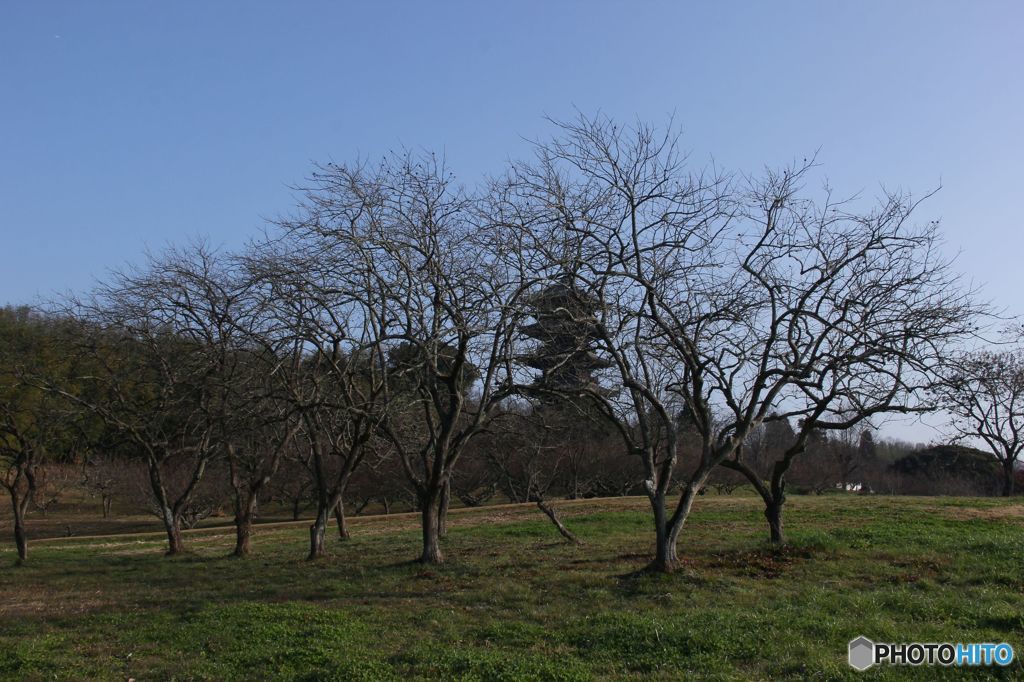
column 515, row 603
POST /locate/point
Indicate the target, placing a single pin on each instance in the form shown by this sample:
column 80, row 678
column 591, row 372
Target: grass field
column 513, row 602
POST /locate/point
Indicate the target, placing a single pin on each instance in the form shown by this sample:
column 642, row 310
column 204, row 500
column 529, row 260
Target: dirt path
column 498, row 511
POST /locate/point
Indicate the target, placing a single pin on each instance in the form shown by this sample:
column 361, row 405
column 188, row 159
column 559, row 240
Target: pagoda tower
column 566, row 327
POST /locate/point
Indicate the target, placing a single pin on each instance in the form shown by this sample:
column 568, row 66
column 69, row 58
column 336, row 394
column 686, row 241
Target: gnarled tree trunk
column 172, row 526
column 339, row 516
column 668, row 528
column 318, row 532
column 773, row 493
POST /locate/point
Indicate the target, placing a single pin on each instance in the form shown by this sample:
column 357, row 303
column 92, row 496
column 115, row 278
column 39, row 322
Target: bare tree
column 328, row 312
column 160, row 343
column 476, row 482
column 208, row 498
column 52, row 482
column 983, row 392
column 103, row 477
column 293, row 486
column 258, row 425
column 254, row 454
column 439, row 305
column 615, row 213
column 854, row 313
column 382, row 480
column 723, row 301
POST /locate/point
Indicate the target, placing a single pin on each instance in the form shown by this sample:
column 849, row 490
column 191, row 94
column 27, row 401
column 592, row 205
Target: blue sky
column 128, row 125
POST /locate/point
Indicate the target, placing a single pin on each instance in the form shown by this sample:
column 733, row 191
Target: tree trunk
column 1008, row 478
column 246, row 498
column 553, row 515
column 20, row 536
column 339, row 516
column 171, row 520
column 106, row 505
column 296, row 509
column 318, row 533
column 172, row 525
column 773, row 513
column 431, row 531
column 243, row 535
column 442, row 515
column 665, row 558
column 21, row 540
column 775, row 501
column 773, row 498
column 245, row 513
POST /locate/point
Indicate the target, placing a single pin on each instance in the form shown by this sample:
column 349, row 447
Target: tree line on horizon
column 600, row 319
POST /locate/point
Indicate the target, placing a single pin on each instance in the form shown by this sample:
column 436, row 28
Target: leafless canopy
column 984, row 393
column 725, row 300
column 432, row 307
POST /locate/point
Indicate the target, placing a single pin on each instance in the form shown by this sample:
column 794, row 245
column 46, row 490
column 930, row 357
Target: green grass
column 515, row 603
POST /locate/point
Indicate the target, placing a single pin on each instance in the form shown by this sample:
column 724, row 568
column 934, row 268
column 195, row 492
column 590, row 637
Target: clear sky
column 132, row 124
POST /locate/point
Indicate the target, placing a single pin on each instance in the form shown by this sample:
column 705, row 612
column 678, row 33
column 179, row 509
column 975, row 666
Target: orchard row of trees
column 602, row 289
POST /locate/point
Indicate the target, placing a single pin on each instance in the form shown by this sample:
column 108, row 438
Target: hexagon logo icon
column 862, row 653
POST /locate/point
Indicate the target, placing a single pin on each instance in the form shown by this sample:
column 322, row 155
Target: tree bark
column 245, row 514
column 667, row 530
column 339, row 516
column 21, row 540
column 776, row 500
column 1008, row 478
column 172, row 525
column 245, row 499
column 171, row 519
column 431, row 532
column 553, row 515
column 773, row 513
column 318, row 533
column 243, row 535
column 442, row 515
column 665, row 558
column 20, row 535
